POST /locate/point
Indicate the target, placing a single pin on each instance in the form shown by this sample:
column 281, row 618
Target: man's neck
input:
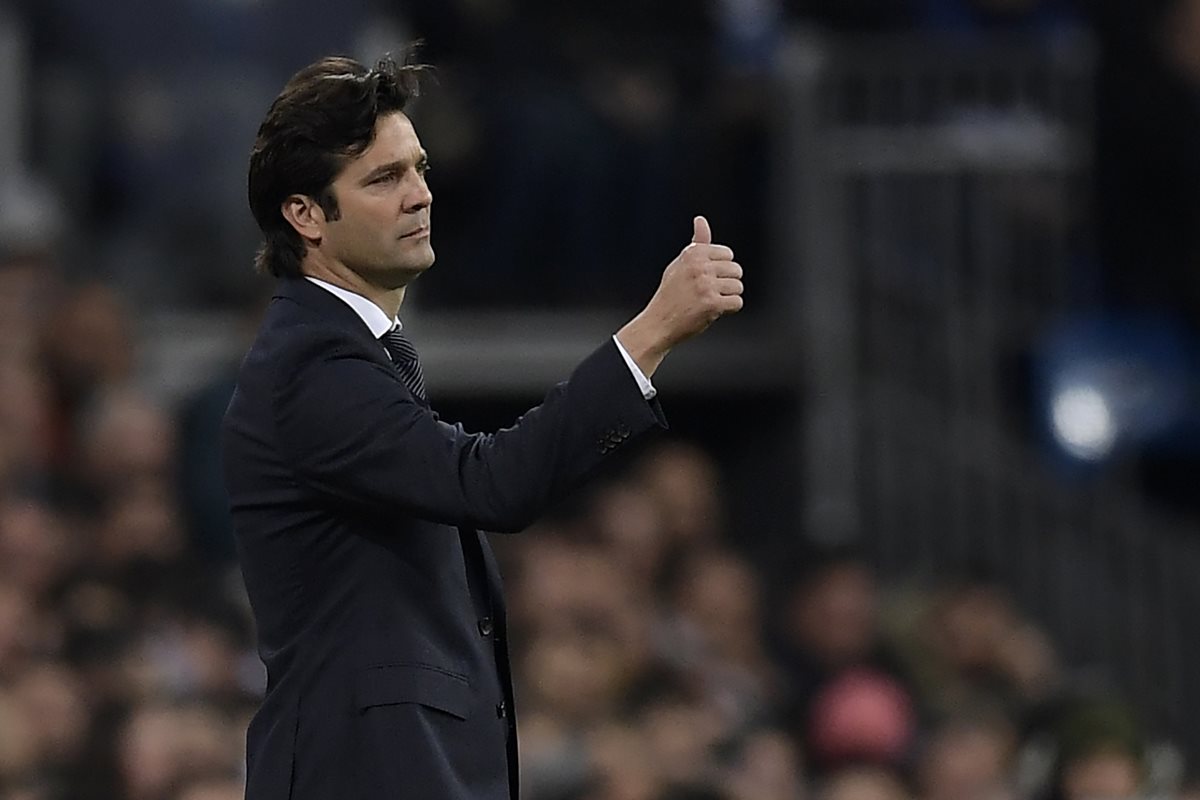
column 388, row 300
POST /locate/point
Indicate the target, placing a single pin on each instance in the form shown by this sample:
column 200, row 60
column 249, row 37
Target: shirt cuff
column 648, row 390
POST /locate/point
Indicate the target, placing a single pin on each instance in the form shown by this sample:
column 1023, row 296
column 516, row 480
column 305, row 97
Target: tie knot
column 399, row 347
column 405, row 360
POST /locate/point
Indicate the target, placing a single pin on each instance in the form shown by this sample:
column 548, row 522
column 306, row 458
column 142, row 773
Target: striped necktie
column 407, row 363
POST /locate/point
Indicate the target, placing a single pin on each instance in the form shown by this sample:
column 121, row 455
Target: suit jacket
column 357, row 514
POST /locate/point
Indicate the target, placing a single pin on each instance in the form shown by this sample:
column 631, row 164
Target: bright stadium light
column 1109, row 386
column 1083, row 422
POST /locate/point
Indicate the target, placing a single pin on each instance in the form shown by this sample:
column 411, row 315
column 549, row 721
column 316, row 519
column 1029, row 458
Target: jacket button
column 485, row 626
column 501, row 709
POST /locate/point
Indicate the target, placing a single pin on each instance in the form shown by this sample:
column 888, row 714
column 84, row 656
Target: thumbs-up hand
column 702, row 284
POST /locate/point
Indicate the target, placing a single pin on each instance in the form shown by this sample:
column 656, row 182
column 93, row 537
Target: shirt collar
column 372, row 315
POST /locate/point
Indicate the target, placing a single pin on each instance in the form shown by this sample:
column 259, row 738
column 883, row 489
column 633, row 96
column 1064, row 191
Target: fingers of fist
column 711, row 252
column 718, row 291
column 727, row 295
column 730, row 303
column 726, row 276
column 727, row 287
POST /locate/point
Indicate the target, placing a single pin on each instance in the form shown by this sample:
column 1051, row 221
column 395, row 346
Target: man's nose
column 420, row 197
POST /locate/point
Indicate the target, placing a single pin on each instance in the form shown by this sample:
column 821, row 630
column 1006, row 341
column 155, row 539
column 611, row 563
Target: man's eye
column 423, row 167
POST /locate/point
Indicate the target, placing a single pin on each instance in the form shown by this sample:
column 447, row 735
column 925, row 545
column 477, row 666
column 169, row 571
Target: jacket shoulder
column 292, row 335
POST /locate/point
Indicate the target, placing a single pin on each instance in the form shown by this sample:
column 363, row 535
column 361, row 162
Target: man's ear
column 305, row 215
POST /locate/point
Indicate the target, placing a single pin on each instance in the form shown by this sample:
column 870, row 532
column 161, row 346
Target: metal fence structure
column 938, row 194
column 13, row 80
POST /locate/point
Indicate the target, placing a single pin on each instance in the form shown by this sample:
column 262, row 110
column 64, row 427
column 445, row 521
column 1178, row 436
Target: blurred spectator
column 123, row 439
column 969, row 757
column 716, row 632
column 161, row 746
column 683, row 481
column 623, row 763
column 18, row 753
column 827, row 636
column 21, row 634
column 579, row 588
column 830, row 619
column 35, row 553
column 186, row 659
column 54, row 707
column 577, row 677
column 98, row 625
column 1100, row 753
column 24, row 423
column 229, row 788
column 139, row 529
column 683, row 733
column 628, row 520
column 766, row 768
column 860, row 716
column 862, row 783
column 87, row 352
column 1112, row 773
column 970, row 645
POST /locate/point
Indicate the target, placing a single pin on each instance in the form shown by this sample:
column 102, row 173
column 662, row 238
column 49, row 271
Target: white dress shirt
column 379, row 324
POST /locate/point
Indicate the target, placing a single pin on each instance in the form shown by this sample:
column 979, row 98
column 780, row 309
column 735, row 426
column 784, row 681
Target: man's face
column 383, row 230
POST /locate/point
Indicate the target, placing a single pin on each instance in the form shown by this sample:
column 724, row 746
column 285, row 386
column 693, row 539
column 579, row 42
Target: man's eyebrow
column 392, row 166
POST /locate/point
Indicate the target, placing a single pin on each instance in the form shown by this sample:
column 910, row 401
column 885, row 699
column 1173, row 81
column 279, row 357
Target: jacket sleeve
column 354, row 433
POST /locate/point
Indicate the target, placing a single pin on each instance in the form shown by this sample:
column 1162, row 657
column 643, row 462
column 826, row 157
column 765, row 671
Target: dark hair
column 324, row 116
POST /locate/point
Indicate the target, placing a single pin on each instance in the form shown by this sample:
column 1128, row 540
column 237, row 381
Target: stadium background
column 925, row 525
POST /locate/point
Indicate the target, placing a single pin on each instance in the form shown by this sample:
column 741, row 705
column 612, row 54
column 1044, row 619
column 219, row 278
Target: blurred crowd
column 565, row 137
column 126, row 660
column 654, row 658
column 656, row 661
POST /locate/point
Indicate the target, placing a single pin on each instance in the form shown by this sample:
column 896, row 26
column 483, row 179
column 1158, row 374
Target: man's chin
column 400, row 275
column 420, row 258
column 424, row 264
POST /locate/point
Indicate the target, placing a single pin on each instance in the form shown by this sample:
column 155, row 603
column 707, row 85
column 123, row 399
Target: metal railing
column 13, row 80
column 939, row 194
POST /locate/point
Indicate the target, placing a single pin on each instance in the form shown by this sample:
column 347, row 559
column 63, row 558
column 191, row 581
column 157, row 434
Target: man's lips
column 424, row 229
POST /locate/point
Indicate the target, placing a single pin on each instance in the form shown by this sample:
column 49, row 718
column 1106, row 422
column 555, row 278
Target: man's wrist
column 644, row 344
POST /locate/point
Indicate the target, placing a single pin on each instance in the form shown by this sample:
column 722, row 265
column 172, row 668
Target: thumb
column 702, row 234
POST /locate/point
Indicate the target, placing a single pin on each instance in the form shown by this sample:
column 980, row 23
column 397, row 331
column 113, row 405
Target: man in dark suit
column 357, row 510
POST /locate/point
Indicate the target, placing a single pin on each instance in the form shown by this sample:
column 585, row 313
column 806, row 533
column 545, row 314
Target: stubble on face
column 383, row 230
